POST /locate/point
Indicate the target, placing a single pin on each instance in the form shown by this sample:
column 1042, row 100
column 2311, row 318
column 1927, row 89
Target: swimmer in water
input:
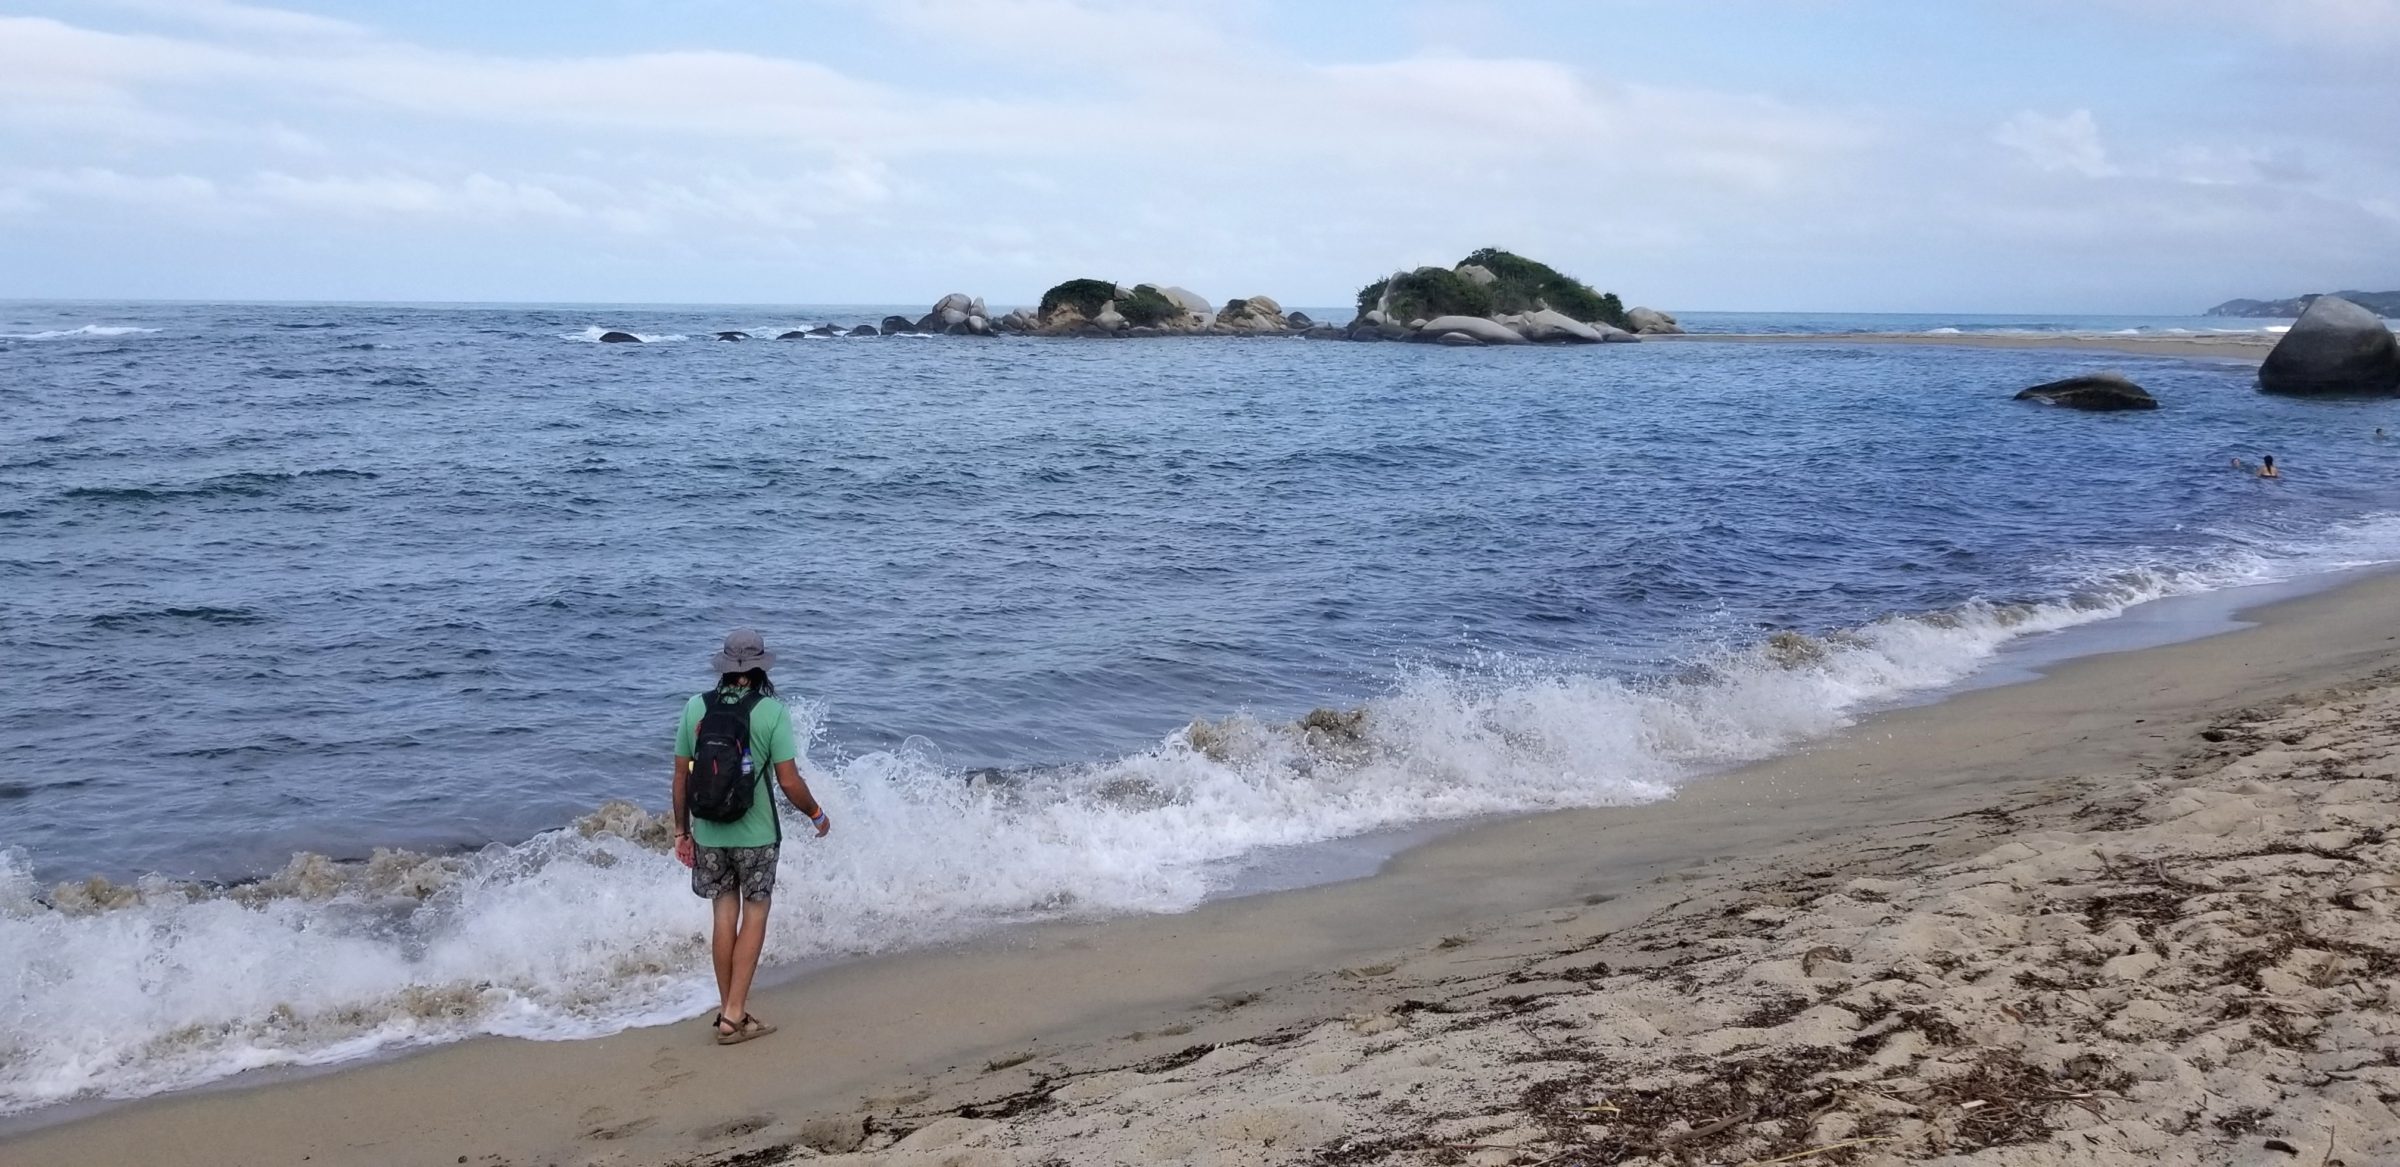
column 2266, row 467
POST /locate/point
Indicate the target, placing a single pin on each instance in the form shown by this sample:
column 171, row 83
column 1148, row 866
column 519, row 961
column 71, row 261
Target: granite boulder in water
column 2335, row 349
column 619, row 338
column 893, row 324
column 1439, row 329
column 2098, row 392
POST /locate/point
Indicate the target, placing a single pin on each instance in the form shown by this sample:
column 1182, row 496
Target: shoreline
column 861, row 1038
column 2243, row 347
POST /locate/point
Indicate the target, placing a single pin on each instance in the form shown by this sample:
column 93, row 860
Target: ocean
column 335, row 635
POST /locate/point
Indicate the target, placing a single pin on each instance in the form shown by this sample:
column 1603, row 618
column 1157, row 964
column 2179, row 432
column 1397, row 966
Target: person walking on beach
column 726, row 828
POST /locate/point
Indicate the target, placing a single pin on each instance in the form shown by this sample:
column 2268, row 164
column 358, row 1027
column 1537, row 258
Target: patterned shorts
column 718, row 871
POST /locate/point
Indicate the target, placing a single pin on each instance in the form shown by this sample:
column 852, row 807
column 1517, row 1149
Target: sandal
column 746, row 1029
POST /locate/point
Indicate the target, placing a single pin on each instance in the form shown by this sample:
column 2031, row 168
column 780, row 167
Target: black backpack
column 722, row 785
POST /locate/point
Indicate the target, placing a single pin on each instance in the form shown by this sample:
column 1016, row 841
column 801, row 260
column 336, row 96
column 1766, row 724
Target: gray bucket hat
column 744, row 650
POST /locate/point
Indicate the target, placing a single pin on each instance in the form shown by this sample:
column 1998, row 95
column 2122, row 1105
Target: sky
column 2102, row 156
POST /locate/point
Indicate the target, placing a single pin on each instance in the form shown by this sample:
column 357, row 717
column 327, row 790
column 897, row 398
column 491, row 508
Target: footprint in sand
column 619, row 1131
column 673, row 1074
column 735, row 1129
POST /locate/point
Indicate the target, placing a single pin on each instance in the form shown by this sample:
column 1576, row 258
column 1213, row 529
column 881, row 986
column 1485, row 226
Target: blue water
column 328, row 579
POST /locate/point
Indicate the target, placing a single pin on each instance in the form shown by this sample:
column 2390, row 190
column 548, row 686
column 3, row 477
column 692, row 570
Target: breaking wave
column 88, row 330
column 589, row 929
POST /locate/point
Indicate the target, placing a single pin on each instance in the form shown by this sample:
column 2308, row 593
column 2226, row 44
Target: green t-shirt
column 770, row 743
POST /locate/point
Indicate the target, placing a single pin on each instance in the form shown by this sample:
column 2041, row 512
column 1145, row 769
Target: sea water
column 336, row 639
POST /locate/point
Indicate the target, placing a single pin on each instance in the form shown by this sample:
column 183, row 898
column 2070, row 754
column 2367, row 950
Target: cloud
column 1021, row 140
column 2069, row 142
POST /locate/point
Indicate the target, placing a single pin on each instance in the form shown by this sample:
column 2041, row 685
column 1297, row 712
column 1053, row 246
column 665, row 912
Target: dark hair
column 2269, row 459
column 757, row 678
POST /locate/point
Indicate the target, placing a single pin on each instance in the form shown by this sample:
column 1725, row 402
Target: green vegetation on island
column 1489, row 282
column 1148, row 306
column 1085, row 296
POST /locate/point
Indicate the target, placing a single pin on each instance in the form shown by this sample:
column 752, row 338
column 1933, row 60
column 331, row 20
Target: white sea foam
column 595, row 332
column 88, row 330
column 590, row 929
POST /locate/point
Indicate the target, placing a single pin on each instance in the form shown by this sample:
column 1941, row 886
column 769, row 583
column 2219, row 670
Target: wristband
column 818, row 818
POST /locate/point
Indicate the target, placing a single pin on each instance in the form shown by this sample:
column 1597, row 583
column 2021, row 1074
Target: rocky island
column 1492, row 297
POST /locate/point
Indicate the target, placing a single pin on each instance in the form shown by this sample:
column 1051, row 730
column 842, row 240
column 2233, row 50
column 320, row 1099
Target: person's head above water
column 2267, row 460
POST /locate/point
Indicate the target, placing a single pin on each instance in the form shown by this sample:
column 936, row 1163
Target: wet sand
column 2137, row 910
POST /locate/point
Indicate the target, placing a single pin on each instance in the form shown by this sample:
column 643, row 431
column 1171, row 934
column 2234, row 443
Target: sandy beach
column 2137, row 910
column 2252, row 347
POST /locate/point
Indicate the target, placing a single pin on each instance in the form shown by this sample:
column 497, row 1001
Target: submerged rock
column 2335, row 349
column 864, row 330
column 892, row 324
column 1462, row 340
column 733, row 336
column 824, row 330
column 619, row 338
column 794, row 334
column 2098, row 392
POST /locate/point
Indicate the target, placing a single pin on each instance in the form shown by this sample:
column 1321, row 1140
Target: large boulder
column 614, row 337
column 863, row 330
column 1486, row 330
column 1299, row 320
column 2097, row 392
column 2336, row 348
column 733, row 336
column 1652, row 320
column 1252, row 316
column 1549, row 326
column 1109, row 318
column 959, row 302
column 1476, row 273
column 892, row 324
column 824, row 330
column 794, row 334
column 1186, row 299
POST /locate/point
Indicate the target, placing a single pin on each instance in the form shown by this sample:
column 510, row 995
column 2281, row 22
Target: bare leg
column 747, row 944
column 728, row 909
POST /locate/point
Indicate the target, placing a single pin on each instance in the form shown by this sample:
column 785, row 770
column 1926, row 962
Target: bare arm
column 787, row 775
column 675, row 803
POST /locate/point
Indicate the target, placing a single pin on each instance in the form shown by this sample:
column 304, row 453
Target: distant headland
column 2379, row 303
column 1491, row 297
